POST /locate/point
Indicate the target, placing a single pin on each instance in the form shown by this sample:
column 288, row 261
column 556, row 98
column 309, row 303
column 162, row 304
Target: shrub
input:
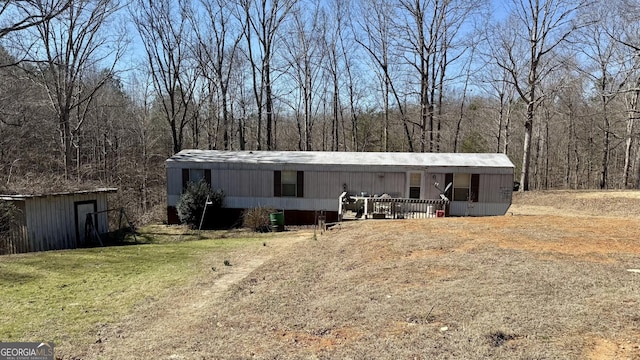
column 257, row 219
column 192, row 202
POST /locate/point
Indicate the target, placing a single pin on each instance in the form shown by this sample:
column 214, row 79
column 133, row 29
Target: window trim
column 277, row 184
column 186, row 176
column 473, row 189
column 409, row 187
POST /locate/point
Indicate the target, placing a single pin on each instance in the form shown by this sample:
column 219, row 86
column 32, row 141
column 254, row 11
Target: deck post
column 366, row 208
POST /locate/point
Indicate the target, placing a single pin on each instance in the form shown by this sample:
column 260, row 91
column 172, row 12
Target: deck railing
column 393, row 208
column 401, row 208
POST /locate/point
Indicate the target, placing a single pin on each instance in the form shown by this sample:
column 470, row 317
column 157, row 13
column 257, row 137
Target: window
column 195, row 175
column 466, row 187
column 288, row 183
column 289, row 179
column 461, row 187
column 415, row 180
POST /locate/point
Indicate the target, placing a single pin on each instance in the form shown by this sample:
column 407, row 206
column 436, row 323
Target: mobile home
column 303, row 183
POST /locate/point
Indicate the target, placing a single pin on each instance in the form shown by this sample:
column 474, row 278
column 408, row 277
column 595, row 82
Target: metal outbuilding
column 55, row 221
column 302, row 183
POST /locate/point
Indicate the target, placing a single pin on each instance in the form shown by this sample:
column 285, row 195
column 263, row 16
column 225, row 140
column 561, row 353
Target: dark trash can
column 277, row 221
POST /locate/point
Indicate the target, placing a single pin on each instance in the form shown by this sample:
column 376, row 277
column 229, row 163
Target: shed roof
column 29, row 196
column 342, row 158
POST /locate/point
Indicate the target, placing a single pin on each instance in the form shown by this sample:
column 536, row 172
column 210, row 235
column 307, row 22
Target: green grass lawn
column 61, row 295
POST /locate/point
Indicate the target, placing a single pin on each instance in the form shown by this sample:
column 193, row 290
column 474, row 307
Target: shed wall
column 51, row 223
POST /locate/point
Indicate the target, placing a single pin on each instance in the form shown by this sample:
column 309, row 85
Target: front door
column 82, row 209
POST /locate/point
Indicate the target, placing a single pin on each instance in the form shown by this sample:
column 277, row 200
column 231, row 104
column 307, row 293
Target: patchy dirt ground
column 551, row 279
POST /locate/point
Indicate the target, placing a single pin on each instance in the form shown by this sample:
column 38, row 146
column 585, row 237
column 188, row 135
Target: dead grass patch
column 548, row 284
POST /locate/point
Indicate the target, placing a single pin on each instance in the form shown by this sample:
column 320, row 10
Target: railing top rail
column 407, row 200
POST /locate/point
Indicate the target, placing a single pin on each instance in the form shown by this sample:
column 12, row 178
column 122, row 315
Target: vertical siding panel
column 55, row 221
column 230, row 184
column 51, row 226
column 174, row 181
column 69, row 224
column 256, row 183
column 60, row 204
column 33, row 224
column 29, row 225
column 70, row 209
column 266, row 179
column 62, row 220
column 40, row 224
column 43, row 228
column 333, row 188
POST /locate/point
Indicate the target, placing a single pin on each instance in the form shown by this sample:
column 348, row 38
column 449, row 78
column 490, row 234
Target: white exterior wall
column 329, row 185
column 250, row 185
column 256, row 186
column 50, row 220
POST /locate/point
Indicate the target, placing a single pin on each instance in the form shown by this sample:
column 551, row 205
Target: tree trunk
column 632, row 115
column 526, row 155
column 268, row 102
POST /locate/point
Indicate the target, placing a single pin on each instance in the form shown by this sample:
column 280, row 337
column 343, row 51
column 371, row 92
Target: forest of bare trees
column 103, row 91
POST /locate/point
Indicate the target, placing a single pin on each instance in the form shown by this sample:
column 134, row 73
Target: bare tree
column 629, row 37
column 543, row 25
column 33, row 13
column 70, row 48
column 341, row 57
column 603, row 62
column 164, row 28
column 216, row 50
column 263, row 20
column 304, row 55
column 498, row 86
column 376, row 39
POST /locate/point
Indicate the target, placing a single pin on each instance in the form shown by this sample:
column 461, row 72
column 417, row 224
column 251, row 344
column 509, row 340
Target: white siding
column 495, row 189
column 317, row 184
column 329, row 185
column 254, row 183
column 247, row 183
column 174, row 181
column 287, row 203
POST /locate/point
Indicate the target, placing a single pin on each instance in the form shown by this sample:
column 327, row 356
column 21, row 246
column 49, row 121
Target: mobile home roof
column 341, row 158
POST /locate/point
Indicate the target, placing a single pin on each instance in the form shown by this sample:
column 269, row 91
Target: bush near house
column 192, row 202
column 257, row 219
